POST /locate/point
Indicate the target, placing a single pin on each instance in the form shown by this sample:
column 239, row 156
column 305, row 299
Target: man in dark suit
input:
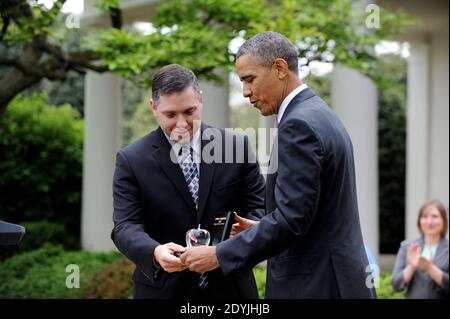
column 311, row 232
column 174, row 179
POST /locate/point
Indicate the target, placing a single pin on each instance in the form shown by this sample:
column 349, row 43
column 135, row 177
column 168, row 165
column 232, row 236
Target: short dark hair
column 173, row 78
column 442, row 211
column 268, row 46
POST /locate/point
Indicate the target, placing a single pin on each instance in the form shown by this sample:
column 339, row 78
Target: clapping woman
column 421, row 266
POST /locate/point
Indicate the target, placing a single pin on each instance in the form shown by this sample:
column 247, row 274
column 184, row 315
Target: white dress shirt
column 196, row 147
column 288, row 100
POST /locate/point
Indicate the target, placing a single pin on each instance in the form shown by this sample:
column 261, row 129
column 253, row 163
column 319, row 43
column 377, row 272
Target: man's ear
column 152, row 105
column 281, row 67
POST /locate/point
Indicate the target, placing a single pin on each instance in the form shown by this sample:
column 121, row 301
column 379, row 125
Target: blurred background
column 75, row 80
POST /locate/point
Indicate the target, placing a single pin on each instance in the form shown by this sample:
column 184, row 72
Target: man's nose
column 246, row 92
column 181, row 121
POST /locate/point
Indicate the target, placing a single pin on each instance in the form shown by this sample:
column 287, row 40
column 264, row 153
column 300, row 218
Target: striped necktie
column 190, row 172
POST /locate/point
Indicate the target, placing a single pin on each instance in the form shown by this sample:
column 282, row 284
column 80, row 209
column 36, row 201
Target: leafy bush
column 39, row 233
column 42, row 273
column 112, row 281
column 385, row 290
column 392, row 154
column 260, row 277
column 139, row 123
column 41, row 163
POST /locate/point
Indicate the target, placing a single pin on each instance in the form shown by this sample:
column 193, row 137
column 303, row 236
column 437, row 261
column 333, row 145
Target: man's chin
column 181, row 138
column 266, row 112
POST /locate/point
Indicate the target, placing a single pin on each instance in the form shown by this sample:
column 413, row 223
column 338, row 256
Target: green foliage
column 139, row 123
column 42, row 273
column 392, row 153
column 135, row 56
column 321, row 85
column 197, row 34
column 244, row 116
column 260, row 277
column 71, row 90
column 105, row 5
column 25, row 29
column 37, row 234
column 41, row 232
column 41, row 163
column 385, row 290
column 112, row 281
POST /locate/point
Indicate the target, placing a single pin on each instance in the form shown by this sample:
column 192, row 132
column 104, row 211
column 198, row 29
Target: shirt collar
column 288, row 100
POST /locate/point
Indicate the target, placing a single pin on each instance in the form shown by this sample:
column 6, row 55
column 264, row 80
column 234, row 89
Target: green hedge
column 384, row 291
column 260, row 277
column 392, row 154
column 37, row 234
column 113, row 281
column 41, row 163
column 42, row 273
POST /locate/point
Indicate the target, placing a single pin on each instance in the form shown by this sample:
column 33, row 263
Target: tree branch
column 76, row 59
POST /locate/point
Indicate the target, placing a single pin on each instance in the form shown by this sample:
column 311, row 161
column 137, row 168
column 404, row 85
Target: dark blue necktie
column 203, row 282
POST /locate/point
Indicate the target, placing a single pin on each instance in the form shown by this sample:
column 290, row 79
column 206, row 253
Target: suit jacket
column 312, row 233
column 422, row 286
column 153, row 205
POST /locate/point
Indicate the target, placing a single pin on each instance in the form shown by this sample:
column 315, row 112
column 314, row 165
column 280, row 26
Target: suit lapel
column 206, row 177
column 171, row 169
column 298, row 99
column 273, row 163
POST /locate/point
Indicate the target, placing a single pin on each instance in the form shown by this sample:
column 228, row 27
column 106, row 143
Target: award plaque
column 222, row 227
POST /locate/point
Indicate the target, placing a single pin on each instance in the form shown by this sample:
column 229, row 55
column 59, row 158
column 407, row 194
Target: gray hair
column 268, row 46
column 173, row 78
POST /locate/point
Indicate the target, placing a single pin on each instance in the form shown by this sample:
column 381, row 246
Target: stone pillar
column 427, row 166
column 439, row 116
column 102, row 136
column 354, row 99
column 417, row 152
column 216, row 108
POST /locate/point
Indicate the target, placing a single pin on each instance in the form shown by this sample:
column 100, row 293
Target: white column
column 355, row 100
column 439, row 117
column 427, row 126
column 102, row 135
column 216, row 108
column 417, row 136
